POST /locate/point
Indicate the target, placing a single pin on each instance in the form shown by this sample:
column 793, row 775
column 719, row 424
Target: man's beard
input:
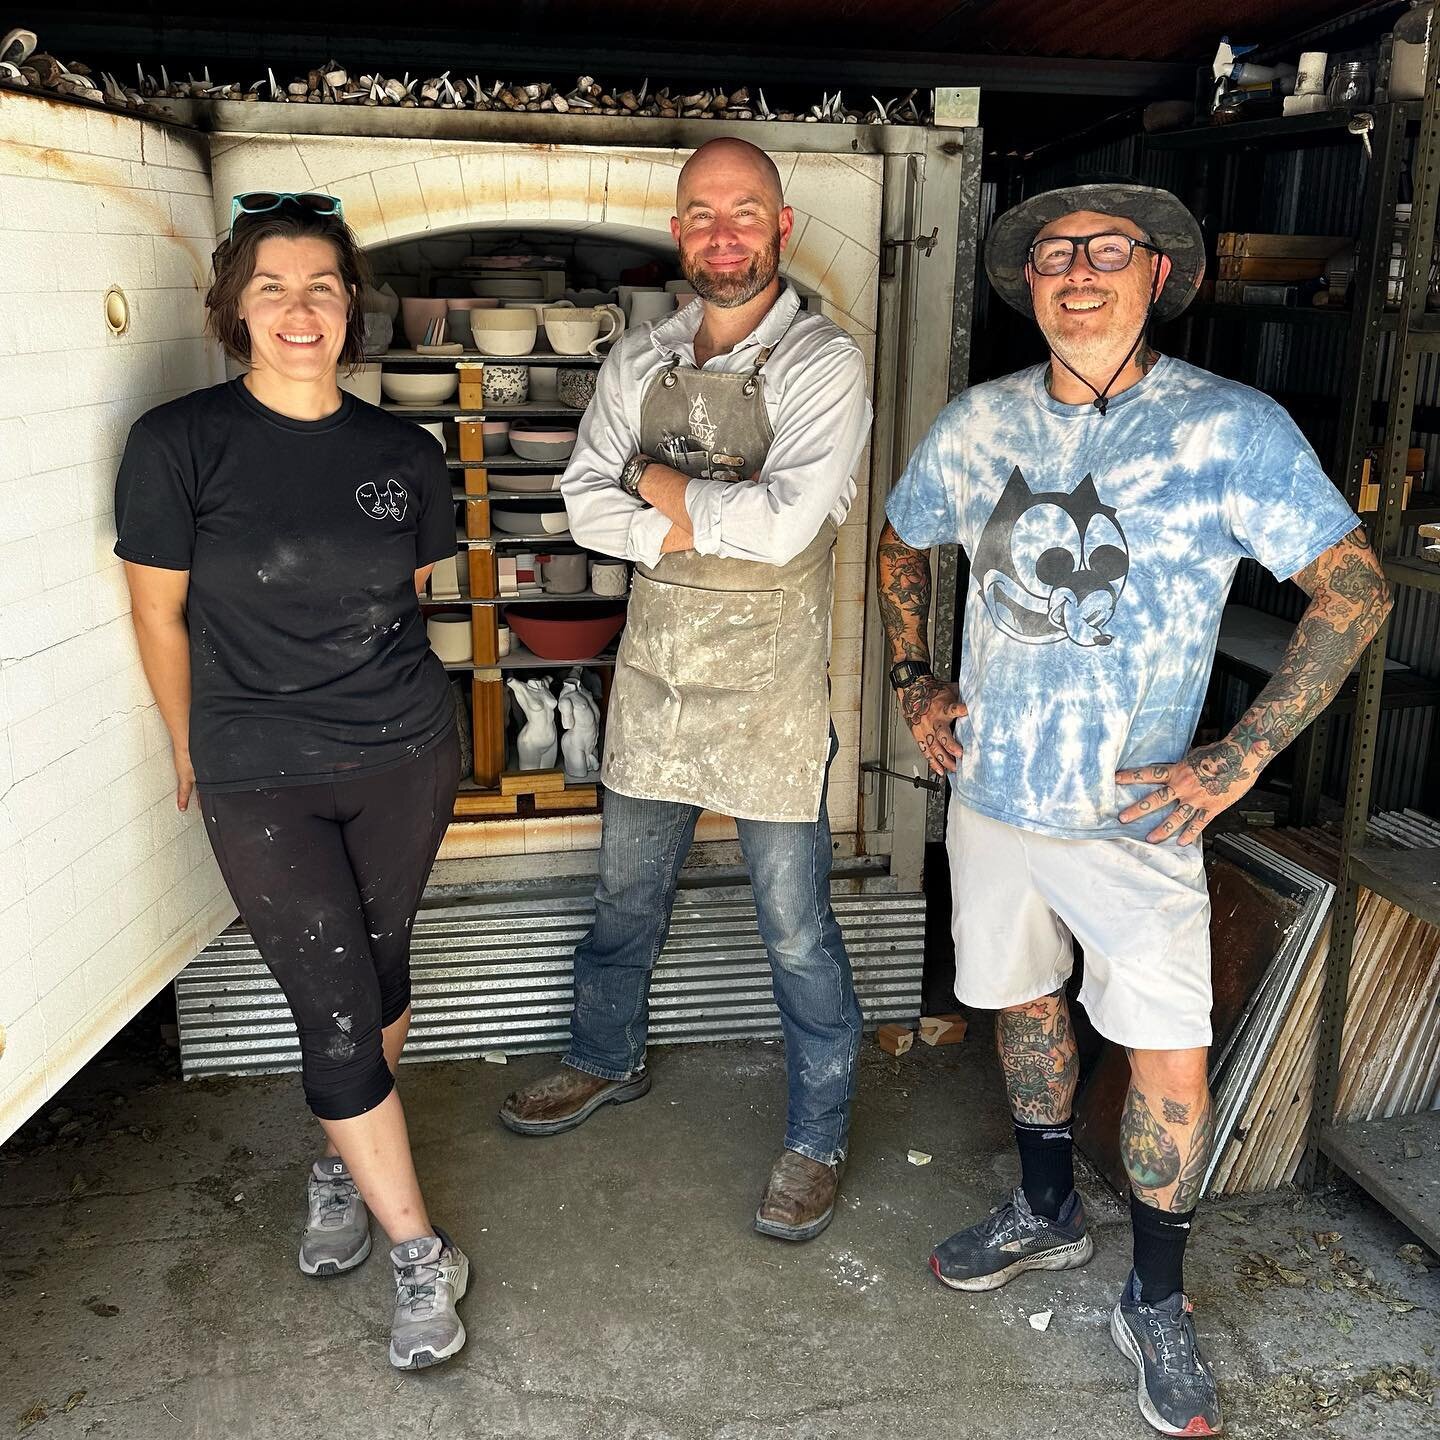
column 735, row 287
column 1092, row 349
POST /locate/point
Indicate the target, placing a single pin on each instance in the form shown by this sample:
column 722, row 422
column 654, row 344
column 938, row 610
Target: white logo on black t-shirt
column 377, row 503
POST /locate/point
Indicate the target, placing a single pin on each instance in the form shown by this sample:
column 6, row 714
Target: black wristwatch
column 634, row 472
column 907, row 672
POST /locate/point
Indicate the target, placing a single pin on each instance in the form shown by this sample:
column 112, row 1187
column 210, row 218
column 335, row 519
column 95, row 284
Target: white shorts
column 1141, row 912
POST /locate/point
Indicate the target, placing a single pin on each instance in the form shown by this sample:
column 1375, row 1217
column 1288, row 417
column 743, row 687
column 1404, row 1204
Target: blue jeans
column 643, row 844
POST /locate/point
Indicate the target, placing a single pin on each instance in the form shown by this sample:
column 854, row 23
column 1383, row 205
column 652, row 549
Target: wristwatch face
column 904, row 672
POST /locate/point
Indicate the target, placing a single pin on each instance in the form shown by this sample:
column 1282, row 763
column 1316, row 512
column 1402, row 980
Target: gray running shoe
column 1176, row 1387
column 337, row 1229
column 1013, row 1239
column 431, row 1274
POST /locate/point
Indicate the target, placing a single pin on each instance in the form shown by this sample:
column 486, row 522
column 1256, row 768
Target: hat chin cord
column 1102, row 397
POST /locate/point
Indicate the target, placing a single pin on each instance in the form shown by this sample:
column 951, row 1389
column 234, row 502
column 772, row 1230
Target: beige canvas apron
column 720, row 696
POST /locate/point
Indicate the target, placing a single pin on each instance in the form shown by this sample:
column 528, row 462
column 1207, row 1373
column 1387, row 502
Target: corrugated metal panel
column 497, row 976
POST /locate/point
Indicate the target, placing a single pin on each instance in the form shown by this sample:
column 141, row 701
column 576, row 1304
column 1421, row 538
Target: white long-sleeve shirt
column 814, row 387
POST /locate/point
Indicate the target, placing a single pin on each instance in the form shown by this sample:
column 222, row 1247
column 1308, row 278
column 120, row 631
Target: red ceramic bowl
column 565, row 632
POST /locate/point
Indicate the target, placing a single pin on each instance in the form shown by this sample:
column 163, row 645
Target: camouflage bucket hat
column 1157, row 212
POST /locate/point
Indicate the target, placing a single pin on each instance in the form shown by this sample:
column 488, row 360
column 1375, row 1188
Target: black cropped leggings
column 328, row 879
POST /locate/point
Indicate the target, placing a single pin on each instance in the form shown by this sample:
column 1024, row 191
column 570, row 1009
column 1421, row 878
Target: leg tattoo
column 1038, row 1055
column 1166, row 1155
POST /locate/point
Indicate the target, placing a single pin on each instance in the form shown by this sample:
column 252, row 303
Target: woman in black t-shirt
column 276, row 532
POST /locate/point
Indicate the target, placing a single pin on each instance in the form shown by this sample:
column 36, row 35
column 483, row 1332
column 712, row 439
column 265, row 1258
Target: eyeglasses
column 1055, row 254
column 261, row 202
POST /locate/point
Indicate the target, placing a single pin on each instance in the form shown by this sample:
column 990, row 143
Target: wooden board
column 577, row 797
column 485, row 802
column 1244, row 242
column 531, row 782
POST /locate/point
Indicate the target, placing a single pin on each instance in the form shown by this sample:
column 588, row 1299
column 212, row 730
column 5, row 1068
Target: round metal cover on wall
column 117, row 311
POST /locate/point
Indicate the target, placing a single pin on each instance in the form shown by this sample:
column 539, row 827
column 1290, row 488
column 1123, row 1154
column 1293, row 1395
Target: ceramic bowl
column 504, row 288
column 436, row 431
column 450, row 638
column 417, row 312
column 504, row 332
column 457, row 319
column 506, row 384
column 405, row 387
column 529, row 522
column 575, row 385
column 560, row 631
column 532, row 442
column 363, row 383
column 523, row 484
column 495, row 437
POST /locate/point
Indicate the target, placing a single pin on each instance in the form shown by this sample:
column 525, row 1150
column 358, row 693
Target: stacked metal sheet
column 495, row 975
column 1390, row 1047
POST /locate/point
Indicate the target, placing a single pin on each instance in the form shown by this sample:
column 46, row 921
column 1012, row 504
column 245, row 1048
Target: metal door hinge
column 923, row 243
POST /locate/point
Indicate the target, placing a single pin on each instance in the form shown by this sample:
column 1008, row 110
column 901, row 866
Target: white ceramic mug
column 502, row 645
column 626, row 295
column 1310, row 76
column 648, row 305
column 572, row 331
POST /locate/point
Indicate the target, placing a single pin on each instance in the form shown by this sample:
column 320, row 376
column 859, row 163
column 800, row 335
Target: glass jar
column 1349, row 85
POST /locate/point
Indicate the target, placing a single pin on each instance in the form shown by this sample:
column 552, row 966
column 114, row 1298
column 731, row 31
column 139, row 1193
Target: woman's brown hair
column 234, row 265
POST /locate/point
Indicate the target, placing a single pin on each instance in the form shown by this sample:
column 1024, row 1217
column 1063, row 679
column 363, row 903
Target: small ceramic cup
column 573, row 331
column 575, row 385
column 564, row 574
column 450, row 638
column 506, row 384
column 502, row 646
column 609, row 577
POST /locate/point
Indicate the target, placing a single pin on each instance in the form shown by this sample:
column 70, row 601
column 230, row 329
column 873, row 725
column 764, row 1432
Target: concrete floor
column 618, row 1290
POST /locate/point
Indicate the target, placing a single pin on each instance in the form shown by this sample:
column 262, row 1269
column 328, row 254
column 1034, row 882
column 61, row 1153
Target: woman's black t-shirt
column 308, row 653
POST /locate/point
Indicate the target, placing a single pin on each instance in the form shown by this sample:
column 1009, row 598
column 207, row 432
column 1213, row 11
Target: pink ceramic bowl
column 416, row 314
column 565, row 632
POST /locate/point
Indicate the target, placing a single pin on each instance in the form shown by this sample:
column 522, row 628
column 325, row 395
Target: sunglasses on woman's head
column 262, row 202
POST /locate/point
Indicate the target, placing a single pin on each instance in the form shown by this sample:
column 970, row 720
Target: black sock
column 1160, row 1237
column 1047, row 1165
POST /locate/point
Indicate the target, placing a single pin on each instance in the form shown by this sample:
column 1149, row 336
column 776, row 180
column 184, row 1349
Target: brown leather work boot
column 566, row 1098
column 800, row 1198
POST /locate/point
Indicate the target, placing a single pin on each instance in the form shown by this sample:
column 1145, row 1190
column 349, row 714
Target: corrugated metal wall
column 1312, row 189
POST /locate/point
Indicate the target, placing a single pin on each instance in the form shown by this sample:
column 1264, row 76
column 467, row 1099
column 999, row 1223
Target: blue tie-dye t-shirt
column 1101, row 550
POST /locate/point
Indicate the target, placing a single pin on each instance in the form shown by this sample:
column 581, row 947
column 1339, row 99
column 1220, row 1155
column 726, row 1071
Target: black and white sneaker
column 1176, row 1387
column 1014, row 1239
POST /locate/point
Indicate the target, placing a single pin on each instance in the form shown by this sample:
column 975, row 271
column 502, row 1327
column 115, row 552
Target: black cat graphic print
column 1051, row 566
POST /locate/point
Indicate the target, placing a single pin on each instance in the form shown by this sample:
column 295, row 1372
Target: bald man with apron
column 743, row 423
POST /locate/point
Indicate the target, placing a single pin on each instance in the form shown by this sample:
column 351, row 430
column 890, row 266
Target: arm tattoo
column 1151, row 1156
column 1349, row 601
column 1175, row 1113
column 903, row 584
column 1040, row 1060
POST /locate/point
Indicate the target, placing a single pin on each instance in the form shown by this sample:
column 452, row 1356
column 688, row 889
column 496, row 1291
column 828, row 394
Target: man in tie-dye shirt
column 1104, row 500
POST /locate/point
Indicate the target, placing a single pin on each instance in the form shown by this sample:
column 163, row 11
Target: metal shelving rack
column 1396, row 1160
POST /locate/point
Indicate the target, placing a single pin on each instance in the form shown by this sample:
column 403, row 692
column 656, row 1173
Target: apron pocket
column 710, row 639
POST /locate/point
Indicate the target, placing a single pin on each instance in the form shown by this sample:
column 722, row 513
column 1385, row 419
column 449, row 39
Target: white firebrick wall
column 105, row 890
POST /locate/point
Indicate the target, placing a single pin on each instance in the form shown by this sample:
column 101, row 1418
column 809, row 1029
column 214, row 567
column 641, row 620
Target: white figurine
column 536, row 743
column 580, row 716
